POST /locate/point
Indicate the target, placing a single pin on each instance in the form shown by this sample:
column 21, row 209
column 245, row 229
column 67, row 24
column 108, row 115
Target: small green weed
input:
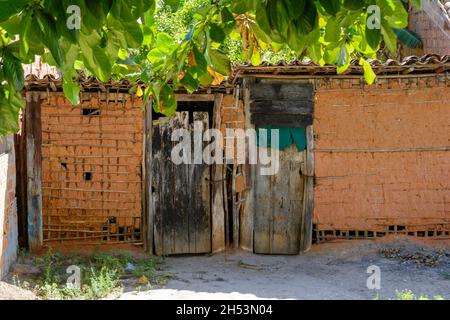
column 101, row 274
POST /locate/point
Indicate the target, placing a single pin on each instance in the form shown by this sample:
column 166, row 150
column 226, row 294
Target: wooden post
column 218, row 202
column 307, row 221
column 147, row 221
column 247, row 217
column 21, row 182
column 34, row 170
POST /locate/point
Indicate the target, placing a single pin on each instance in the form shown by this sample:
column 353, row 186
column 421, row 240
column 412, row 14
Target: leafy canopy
column 188, row 43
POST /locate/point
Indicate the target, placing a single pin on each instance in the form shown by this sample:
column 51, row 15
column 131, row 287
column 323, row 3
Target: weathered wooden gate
column 280, row 203
column 278, row 206
column 181, row 193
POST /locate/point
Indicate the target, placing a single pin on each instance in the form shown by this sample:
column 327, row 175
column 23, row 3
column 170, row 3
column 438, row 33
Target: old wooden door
column 181, row 192
column 278, row 206
column 278, row 200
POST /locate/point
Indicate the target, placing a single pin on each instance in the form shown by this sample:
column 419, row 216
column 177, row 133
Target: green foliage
column 409, row 295
column 101, row 274
column 187, row 43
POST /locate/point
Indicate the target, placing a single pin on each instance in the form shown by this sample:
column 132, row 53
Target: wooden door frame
column 216, row 198
column 306, row 227
column 29, row 171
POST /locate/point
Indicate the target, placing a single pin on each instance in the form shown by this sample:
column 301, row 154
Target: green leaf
column 295, row 8
column 369, row 75
column 373, row 37
column 256, row 57
column 10, row 105
column 71, row 90
column 332, row 7
column 167, row 101
column 354, row 4
column 394, row 13
column 9, row 8
column 307, row 22
column 189, row 82
column 332, row 30
column 13, row 70
column 172, row 4
column 389, row 37
column 243, row 6
column 219, row 61
column 164, row 42
column 94, row 57
column 50, row 38
column 216, row 33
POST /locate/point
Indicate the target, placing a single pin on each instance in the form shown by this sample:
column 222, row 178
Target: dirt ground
column 12, row 292
column 328, row 271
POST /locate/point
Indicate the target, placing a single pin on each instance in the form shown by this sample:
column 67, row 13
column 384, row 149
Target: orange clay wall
column 91, row 168
column 391, row 182
column 8, row 205
column 433, row 26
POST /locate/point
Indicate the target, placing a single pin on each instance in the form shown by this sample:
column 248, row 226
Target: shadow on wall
column 8, row 206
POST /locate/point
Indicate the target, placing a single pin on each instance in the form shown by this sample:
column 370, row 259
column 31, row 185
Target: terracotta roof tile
column 41, row 75
column 411, row 65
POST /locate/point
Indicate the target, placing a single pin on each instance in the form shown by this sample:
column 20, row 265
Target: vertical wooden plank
column 147, row 208
column 278, row 206
column 307, row 224
column 218, row 201
column 247, row 216
column 200, row 211
column 34, row 170
column 235, row 213
column 262, row 211
column 21, row 183
column 182, row 190
column 287, row 192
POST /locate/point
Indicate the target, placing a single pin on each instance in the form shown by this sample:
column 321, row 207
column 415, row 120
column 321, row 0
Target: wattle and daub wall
column 8, row 205
column 382, row 161
column 91, row 168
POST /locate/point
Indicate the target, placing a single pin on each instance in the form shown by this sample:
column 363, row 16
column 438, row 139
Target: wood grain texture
column 297, row 107
column 148, row 214
column 282, row 120
column 34, row 171
column 307, row 221
column 278, row 206
column 182, row 207
column 281, row 90
column 247, row 216
column 217, row 190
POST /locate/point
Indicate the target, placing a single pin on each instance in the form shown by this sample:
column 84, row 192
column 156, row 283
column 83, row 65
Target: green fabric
column 287, row 137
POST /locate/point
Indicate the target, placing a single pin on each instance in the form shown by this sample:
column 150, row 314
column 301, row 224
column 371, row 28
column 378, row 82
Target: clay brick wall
column 432, row 24
column 8, row 205
column 91, row 168
column 232, row 117
column 370, row 171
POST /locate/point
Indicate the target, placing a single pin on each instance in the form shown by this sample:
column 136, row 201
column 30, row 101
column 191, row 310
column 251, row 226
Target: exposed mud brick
column 380, row 157
column 432, row 24
column 92, row 159
column 8, row 206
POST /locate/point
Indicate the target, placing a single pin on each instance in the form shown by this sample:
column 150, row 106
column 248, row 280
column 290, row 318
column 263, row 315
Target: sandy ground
column 11, row 292
column 328, row 271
